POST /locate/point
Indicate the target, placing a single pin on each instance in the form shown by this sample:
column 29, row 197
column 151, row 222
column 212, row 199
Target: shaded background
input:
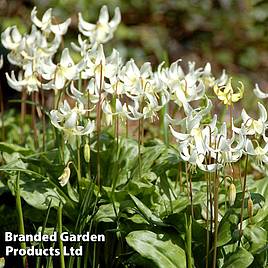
column 231, row 34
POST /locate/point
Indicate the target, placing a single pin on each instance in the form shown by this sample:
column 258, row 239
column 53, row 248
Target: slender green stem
column 20, row 216
column 187, row 180
column 243, row 201
column 34, row 122
column 2, row 113
column 38, row 259
column 207, row 221
column 191, row 195
column 62, row 261
column 188, row 226
column 23, row 112
column 164, row 123
column 216, row 204
column 139, row 147
column 43, row 119
column 79, row 177
column 99, row 126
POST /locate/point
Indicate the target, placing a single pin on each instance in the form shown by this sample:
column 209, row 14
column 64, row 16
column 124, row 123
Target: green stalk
column 34, row 121
column 243, row 201
column 23, row 112
column 2, row 113
column 139, row 147
column 216, row 204
column 99, row 128
column 191, row 196
column 38, row 259
column 207, row 221
column 20, row 216
column 78, row 160
column 62, row 262
column 43, row 119
column 164, row 123
column 188, row 227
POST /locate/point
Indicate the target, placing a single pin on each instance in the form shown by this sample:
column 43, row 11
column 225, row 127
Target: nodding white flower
column 183, row 87
column 46, row 25
column 100, row 67
column 103, row 30
column 68, row 120
column 65, row 176
column 260, row 153
column 11, row 38
column 82, row 47
column 189, row 153
column 252, row 126
column 226, row 150
column 66, row 70
column 27, row 79
column 259, row 93
column 136, row 81
column 226, row 93
column 194, row 134
column 209, row 80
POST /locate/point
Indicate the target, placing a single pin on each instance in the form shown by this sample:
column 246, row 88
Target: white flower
column 260, row 153
column 11, row 38
column 103, row 30
column 68, row 119
column 66, row 70
column 46, row 23
column 65, row 176
column 252, row 126
column 26, row 80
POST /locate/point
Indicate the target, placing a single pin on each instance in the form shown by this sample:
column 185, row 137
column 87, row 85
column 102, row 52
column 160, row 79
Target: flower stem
column 20, row 216
column 99, row 126
column 78, row 160
column 216, row 195
column 34, row 121
column 43, row 119
column 139, row 147
column 62, row 262
column 2, row 113
column 23, row 112
column 243, row 201
column 188, row 227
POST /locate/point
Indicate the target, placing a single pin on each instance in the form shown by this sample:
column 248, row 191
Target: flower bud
column 232, row 194
column 87, row 153
column 64, row 178
column 250, row 209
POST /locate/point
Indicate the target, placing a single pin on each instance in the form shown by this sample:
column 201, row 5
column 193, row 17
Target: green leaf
column 239, row 258
column 159, row 248
column 256, row 237
column 227, row 226
column 145, row 211
column 11, row 148
column 106, row 213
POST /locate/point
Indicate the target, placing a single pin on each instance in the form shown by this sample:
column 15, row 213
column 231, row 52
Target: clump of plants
column 160, row 160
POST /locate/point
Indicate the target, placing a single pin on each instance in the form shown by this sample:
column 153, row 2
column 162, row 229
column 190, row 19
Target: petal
column 116, row 19
column 61, row 29
column 34, row 19
column 263, row 113
column 59, row 80
column 66, row 60
column 71, row 120
column 104, row 15
column 179, row 136
column 260, row 94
